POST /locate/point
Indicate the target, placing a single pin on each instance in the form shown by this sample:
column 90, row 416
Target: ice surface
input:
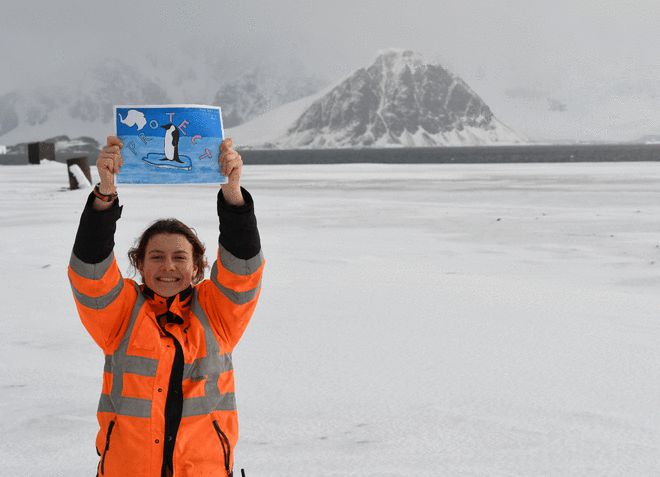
column 427, row 320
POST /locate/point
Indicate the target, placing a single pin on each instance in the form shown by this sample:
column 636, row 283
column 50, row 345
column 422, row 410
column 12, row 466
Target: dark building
column 40, row 150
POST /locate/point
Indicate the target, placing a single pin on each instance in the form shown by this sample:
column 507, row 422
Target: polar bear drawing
column 133, row 118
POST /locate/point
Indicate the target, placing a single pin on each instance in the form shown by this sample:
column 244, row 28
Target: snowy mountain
column 397, row 101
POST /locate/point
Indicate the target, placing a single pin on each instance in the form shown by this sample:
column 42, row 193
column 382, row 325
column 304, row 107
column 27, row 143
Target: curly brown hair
column 170, row 226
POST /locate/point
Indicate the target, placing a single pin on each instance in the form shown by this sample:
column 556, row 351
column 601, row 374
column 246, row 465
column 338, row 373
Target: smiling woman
column 167, row 405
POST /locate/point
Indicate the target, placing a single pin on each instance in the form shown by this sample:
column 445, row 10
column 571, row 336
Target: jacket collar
column 169, row 309
column 182, row 296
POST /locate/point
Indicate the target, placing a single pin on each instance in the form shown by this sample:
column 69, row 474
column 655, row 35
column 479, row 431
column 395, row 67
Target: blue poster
column 170, row 144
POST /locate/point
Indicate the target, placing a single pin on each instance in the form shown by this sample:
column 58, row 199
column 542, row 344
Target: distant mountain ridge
column 257, row 92
column 84, row 108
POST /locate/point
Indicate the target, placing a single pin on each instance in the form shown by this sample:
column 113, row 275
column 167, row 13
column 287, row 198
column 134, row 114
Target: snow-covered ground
column 426, row 320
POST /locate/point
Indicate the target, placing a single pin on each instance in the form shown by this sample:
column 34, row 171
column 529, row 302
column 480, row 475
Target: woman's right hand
column 108, row 164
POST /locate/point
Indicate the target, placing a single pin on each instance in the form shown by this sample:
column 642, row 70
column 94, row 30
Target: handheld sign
column 170, row 144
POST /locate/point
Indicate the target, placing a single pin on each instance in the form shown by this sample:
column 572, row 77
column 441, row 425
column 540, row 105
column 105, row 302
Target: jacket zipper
column 226, row 449
column 107, row 446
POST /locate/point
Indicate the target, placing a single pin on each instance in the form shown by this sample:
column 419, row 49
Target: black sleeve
column 95, row 238
column 238, row 227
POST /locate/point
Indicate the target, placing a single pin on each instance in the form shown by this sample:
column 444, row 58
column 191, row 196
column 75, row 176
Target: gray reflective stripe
column 211, row 366
column 119, row 363
column 105, row 404
column 198, row 406
column 93, row 271
column 129, row 406
column 99, row 302
column 238, row 265
column 238, row 298
column 201, row 367
column 140, row 365
column 135, row 407
column 119, row 358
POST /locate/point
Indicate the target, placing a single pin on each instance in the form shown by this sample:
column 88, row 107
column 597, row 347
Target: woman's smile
column 168, row 266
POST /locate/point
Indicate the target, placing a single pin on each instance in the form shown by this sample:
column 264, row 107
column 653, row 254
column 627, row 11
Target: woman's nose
column 168, row 263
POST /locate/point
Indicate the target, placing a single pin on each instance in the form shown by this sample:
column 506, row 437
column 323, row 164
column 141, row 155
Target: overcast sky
column 537, row 45
column 537, row 39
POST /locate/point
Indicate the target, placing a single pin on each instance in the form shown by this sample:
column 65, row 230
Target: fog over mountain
column 84, row 107
column 594, row 62
column 398, row 100
column 259, row 91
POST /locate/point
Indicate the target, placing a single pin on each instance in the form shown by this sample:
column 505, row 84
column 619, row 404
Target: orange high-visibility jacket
column 138, row 363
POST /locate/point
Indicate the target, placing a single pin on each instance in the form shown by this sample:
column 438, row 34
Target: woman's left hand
column 231, row 166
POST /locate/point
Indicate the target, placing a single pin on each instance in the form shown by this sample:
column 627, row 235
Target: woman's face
column 168, row 266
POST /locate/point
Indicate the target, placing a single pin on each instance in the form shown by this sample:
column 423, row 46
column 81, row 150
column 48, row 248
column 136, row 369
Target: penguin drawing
column 171, row 143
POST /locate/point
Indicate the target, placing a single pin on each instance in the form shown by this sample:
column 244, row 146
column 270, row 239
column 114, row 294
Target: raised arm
column 108, row 164
column 101, row 297
column 231, row 295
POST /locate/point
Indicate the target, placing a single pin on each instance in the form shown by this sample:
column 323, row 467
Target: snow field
column 430, row 320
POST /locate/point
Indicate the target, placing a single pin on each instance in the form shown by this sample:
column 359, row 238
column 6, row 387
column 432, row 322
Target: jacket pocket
column 226, row 448
column 106, row 448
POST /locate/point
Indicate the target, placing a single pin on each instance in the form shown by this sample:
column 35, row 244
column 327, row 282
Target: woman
column 167, row 406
